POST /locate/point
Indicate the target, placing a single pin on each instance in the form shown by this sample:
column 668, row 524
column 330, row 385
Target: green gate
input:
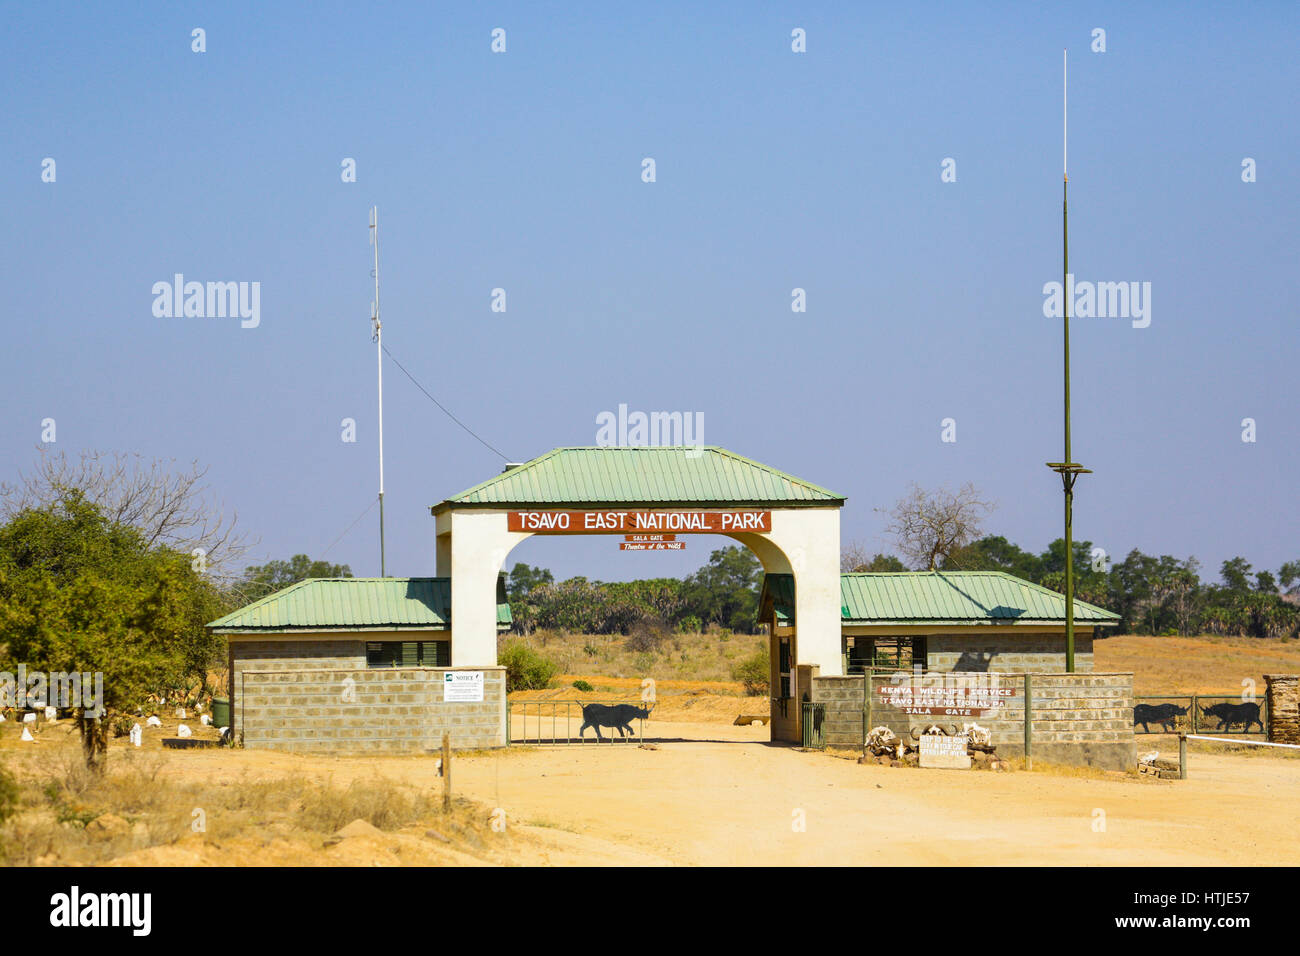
column 813, row 722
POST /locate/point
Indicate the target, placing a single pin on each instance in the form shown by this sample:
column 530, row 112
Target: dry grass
column 69, row 816
column 690, row 657
column 1195, row 665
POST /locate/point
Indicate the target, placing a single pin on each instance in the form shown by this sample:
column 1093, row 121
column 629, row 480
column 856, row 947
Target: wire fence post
column 446, row 771
column 1182, row 756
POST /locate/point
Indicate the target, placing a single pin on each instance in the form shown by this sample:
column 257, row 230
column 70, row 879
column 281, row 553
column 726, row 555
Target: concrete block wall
column 368, row 710
column 1006, row 653
column 316, row 653
column 1080, row 719
column 1283, row 708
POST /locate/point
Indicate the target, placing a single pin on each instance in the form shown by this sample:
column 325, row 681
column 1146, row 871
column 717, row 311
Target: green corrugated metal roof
column 956, row 597
column 657, row 476
column 354, row 604
column 778, row 589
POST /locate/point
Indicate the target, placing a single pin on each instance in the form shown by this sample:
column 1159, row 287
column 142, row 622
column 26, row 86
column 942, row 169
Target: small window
column 408, row 653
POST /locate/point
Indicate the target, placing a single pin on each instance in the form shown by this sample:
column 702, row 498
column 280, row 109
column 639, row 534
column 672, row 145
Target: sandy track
column 733, row 803
column 730, row 799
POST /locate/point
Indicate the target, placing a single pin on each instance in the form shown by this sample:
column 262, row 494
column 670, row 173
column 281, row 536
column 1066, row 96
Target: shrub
column 526, row 669
column 645, row 638
column 754, row 672
column 690, row 624
column 583, row 686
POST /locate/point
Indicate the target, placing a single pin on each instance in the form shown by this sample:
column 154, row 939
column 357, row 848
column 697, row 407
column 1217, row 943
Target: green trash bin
column 220, row 712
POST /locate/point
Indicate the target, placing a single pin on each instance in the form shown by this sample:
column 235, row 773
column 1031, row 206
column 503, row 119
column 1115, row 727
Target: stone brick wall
column 293, row 654
column 1283, row 708
column 391, row 710
column 287, row 694
column 1007, row 653
column 1080, row 719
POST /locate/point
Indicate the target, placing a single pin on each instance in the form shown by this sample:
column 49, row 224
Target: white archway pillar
column 472, row 546
column 472, row 549
column 809, row 541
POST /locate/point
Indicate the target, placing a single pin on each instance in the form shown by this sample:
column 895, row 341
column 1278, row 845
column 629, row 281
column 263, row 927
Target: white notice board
column 465, row 686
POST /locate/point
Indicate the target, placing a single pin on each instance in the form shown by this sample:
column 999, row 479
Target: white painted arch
column 473, row 544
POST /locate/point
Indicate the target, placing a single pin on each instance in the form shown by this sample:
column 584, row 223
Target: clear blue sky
column 775, row 170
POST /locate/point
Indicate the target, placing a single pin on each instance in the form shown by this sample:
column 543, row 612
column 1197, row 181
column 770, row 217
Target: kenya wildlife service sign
column 638, row 522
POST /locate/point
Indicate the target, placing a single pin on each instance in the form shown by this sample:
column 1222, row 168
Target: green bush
column 690, row 624
column 754, row 672
column 583, row 686
column 526, row 669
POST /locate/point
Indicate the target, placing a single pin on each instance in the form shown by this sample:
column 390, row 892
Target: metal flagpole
column 1068, row 469
column 377, row 330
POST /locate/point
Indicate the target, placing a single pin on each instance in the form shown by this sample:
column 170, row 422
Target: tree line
column 723, row 593
column 114, row 567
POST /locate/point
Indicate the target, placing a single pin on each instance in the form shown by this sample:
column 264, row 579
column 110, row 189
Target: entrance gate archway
column 791, row 526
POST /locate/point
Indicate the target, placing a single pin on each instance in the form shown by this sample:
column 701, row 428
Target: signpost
column 462, row 686
column 639, row 522
column 946, row 701
column 651, row 542
column 938, row 750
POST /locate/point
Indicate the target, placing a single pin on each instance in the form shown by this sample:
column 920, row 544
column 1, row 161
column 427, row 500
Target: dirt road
column 729, row 798
column 739, row 804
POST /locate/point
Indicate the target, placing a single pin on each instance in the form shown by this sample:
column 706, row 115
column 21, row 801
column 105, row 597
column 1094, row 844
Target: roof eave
column 969, row 622
column 444, row 506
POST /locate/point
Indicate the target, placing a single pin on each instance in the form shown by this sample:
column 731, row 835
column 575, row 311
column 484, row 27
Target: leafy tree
column 1236, row 574
column 169, row 507
column 725, row 590
column 82, row 594
column 995, row 553
column 524, row 580
column 1289, row 576
column 262, row 579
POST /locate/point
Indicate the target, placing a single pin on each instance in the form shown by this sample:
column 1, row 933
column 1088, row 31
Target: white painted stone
column 137, row 735
column 183, row 731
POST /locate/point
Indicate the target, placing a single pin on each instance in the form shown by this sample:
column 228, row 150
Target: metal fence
column 560, row 722
column 814, row 725
column 1194, row 713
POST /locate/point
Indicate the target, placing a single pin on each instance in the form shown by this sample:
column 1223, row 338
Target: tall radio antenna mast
column 377, row 333
column 1068, row 469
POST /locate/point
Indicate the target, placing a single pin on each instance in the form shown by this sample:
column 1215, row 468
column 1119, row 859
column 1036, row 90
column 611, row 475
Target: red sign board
column 639, row 522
